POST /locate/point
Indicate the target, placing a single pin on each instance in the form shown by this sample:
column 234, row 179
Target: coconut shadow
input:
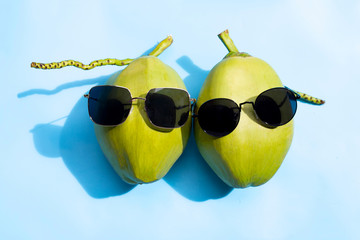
column 191, row 176
column 76, row 144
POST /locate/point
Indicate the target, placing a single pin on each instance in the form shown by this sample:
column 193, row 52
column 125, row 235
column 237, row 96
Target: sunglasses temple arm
column 307, row 98
column 89, row 97
column 193, row 105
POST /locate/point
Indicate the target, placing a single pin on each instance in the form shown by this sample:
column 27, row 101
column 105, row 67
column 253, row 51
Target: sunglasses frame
column 239, row 106
column 191, row 103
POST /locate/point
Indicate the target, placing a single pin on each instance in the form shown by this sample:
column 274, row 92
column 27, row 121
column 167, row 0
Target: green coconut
column 253, row 152
column 138, row 151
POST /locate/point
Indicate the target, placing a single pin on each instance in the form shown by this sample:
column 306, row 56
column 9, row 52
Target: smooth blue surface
column 55, row 182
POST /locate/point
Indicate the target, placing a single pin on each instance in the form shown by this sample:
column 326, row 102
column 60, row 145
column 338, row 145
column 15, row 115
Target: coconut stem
column 164, row 44
column 229, row 44
column 102, row 62
column 227, row 41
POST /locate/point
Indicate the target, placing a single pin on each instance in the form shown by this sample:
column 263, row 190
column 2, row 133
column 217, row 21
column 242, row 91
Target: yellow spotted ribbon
column 93, row 64
column 310, row 99
column 102, row 62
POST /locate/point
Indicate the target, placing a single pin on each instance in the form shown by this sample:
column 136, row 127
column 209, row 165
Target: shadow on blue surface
column 196, row 77
column 76, row 143
column 191, row 176
column 63, row 87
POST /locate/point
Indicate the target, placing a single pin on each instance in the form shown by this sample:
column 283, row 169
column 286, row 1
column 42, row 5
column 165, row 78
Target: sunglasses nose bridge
column 243, row 103
column 139, row 98
column 253, row 106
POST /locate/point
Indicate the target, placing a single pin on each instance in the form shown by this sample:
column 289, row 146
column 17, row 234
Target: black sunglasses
column 110, row 105
column 274, row 107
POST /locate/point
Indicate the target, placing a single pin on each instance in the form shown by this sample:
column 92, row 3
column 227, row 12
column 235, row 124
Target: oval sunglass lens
column 276, row 106
column 109, row 105
column 219, row 117
column 167, row 107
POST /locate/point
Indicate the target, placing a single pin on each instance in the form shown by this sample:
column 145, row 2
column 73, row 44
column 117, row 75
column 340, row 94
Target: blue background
column 55, row 182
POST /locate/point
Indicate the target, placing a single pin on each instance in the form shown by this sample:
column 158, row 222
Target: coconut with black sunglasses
column 244, row 118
